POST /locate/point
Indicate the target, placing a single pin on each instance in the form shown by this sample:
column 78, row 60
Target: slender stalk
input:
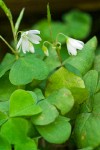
column 59, row 56
column 47, row 42
column 13, row 31
column 9, row 15
column 49, row 21
column 13, row 28
column 8, row 44
column 60, row 34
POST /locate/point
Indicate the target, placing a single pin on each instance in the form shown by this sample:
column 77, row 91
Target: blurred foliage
column 75, row 24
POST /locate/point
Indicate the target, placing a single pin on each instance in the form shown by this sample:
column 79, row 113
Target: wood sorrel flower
column 27, row 40
column 73, row 45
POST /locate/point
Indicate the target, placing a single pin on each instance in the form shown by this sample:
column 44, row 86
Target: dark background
column 36, row 10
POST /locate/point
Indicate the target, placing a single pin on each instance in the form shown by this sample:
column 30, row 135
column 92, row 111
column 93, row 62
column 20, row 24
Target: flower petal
column 34, row 38
column 31, row 48
column 19, row 43
column 25, row 45
column 34, row 32
column 76, row 43
column 71, row 50
column 26, row 40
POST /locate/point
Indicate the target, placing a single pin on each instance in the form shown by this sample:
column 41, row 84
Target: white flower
column 73, row 45
column 27, row 40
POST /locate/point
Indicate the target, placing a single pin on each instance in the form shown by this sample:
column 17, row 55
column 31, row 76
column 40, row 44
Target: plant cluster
column 49, row 91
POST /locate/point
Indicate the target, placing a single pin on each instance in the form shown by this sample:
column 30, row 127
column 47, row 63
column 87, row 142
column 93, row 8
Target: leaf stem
column 8, row 44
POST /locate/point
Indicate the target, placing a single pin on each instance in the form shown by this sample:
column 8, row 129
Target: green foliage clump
column 52, row 99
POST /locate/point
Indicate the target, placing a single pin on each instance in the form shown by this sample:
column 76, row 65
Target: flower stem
column 49, row 21
column 8, row 44
column 60, row 34
column 47, row 42
column 13, row 31
column 59, row 56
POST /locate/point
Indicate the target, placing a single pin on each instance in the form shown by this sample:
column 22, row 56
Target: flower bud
column 45, row 50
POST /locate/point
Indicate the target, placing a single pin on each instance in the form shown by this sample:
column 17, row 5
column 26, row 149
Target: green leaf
column 78, row 24
column 17, row 24
column 6, row 10
column 80, row 94
column 6, row 63
column 98, row 50
column 3, row 118
column 23, row 104
column 32, row 132
column 63, row 78
column 34, row 96
column 15, row 130
column 84, row 59
column 38, row 51
column 74, row 112
column 87, row 126
column 72, row 69
column 6, row 88
column 26, row 145
column 86, row 130
column 63, row 52
column 4, row 145
column 91, row 80
column 48, row 115
column 96, row 104
column 27, row 68
column 97, row 63
column 98, row 85
column 4, row 106
column 39, row 94
column 62, row 99
column 57, row 132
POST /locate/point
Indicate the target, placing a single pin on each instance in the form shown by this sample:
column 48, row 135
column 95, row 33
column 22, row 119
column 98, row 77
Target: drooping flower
column 73, row 45
column 27, row 40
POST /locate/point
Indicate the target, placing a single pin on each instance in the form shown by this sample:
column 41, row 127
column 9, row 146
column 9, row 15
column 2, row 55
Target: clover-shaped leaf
column 23, row 104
